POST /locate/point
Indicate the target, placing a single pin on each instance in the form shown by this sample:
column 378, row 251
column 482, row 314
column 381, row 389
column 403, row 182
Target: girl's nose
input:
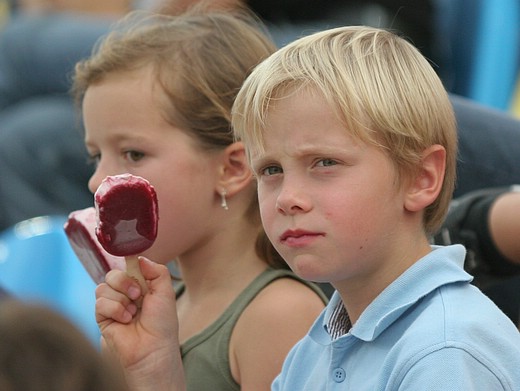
column 94, row 181
column 103, row 168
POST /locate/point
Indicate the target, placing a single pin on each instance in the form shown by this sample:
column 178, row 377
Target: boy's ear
column 426, row 185
column 234, row 172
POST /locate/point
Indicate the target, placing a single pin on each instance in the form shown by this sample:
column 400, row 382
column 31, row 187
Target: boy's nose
column 292, row 199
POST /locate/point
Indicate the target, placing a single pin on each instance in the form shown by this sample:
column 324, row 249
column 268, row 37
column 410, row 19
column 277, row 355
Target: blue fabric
column 43, row 160
column 497, row 53
column 489, row 141
column 38, row 53
column 429, row 330
column 43, row 168
column 481, row 39
column 38, row 264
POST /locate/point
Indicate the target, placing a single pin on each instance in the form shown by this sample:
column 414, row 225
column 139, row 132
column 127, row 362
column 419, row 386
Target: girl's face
column 126, row 133
column 330, row 204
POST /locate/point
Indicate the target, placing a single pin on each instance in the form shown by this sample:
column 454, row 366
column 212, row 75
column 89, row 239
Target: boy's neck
column 358, row 293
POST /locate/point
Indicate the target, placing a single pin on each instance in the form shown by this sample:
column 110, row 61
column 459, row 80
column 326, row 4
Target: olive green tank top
column 206, row 355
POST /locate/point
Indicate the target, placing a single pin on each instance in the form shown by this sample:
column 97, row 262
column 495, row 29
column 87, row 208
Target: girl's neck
column 211, row 285
column 225, row 260
column 216, row 272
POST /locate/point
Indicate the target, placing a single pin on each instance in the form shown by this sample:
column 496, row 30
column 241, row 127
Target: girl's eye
column 326, row 162
column 93, row 160
column 271, row 170
column 134, row 156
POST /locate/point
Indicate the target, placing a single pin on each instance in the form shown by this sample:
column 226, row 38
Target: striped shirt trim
column 339, row 323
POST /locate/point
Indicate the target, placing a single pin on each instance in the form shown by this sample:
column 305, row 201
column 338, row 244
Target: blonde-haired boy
column 352, row 139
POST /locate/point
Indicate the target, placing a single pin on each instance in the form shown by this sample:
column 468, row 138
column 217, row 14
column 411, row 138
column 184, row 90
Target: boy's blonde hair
column 200, row 60
column 380, row 86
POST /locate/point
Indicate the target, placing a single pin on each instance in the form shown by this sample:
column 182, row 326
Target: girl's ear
column 426, row 185
column 234, row 172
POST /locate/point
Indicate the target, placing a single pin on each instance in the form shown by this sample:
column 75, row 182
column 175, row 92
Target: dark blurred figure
column 3, row 293
column 43, row 168
column 40, row 350
column 415, row 19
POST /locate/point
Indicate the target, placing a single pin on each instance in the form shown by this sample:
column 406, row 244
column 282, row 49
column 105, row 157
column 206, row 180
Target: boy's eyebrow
column 260, row 159
column 257, row 160
column 317, row 149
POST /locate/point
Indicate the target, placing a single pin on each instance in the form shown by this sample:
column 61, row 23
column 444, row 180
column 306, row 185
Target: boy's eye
column 134, row 156
column 271, row 170
column 326, row 162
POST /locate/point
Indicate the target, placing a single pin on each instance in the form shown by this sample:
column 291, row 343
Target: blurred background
column 474, row 46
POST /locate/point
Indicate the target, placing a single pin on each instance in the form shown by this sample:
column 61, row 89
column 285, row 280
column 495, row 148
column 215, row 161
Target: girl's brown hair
column 200, row 59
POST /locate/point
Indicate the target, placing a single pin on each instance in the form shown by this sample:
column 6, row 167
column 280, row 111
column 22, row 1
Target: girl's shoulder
column 284, row 281
column 278, row 317
column 287, row 300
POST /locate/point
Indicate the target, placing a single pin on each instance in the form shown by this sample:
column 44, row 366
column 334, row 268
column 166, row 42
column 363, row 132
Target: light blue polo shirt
column 429, row 330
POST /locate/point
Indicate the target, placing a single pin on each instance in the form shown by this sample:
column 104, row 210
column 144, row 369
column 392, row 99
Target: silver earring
column 223, row 203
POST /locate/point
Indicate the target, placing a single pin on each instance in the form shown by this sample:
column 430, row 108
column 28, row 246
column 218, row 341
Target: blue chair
column 484, row 48
column 38, row 264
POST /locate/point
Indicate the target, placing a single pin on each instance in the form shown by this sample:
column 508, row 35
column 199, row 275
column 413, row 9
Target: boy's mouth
column 298, row 237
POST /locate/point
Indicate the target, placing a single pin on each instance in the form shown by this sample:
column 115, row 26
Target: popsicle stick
column 133, row 270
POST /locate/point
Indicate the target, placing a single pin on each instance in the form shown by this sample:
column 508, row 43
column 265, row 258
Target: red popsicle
column 127, row 216
column 80, row 229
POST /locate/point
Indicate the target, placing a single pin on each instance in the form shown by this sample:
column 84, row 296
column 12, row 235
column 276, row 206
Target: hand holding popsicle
column 127, row 215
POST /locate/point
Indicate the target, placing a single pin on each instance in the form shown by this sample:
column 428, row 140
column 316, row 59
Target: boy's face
column 330, row 204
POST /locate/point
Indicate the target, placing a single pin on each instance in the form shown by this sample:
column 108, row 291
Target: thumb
column 159, row 310
column 157, row 275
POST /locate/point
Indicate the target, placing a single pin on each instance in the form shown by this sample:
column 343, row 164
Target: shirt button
column 338, row 375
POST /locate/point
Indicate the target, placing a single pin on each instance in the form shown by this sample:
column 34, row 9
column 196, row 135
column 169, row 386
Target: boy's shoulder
column 458, row 329
column 434, row 305
column 454, row 328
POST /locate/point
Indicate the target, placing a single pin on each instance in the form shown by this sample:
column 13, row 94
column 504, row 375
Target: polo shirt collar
column 444, row 265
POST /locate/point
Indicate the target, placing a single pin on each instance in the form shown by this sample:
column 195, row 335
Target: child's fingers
column 121, row 282
column 107, row 309
column 111, row 304
column 157, row 275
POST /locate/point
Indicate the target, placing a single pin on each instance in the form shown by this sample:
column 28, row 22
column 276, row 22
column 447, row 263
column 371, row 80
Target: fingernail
column 127, row 317
column 134, row 292
column 144, row 259
column 132, row 309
